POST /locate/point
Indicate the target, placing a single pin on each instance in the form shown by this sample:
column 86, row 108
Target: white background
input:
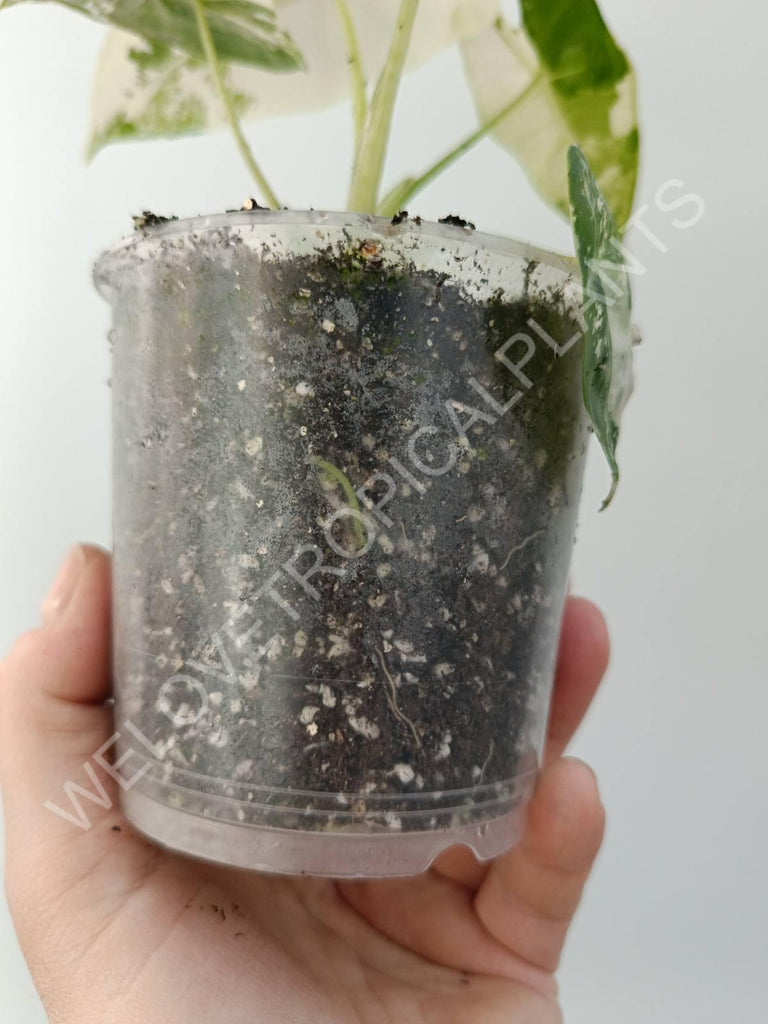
column 674, row 926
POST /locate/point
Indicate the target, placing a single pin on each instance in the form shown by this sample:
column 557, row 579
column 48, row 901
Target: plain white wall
column 674, row 926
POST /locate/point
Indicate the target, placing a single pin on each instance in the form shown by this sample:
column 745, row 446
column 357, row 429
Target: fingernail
column 65, row 584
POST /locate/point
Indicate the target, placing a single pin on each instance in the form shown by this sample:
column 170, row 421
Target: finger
column 460, row 865
column 582, row 660
column 68, row 656
column 530, row 895
column 434, row 917
column 52, row 716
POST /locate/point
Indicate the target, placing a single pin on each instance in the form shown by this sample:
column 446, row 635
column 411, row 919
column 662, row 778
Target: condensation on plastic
column 356, row 719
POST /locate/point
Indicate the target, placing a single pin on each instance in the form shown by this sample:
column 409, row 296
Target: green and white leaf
column 607, row 371
column 571, row 84
column 173, row 96
column 243, row 30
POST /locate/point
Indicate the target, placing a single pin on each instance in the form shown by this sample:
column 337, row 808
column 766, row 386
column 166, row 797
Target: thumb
column 53, row 719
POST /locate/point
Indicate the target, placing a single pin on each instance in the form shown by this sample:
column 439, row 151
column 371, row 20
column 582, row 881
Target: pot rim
column 381, row 226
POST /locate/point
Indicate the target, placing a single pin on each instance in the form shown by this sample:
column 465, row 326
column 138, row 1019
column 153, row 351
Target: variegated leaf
column 144, row 92
column 607, row 370
column 565, row 81
column 243, row 30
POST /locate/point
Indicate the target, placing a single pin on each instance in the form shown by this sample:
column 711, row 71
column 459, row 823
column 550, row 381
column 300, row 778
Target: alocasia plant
column 557, row 92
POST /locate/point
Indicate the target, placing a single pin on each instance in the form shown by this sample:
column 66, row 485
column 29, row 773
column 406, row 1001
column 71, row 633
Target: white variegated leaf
column 607, row 369
column 173, row 95
column 241, row 30
column 502, row 67
column 143, row 93
column 565, row 81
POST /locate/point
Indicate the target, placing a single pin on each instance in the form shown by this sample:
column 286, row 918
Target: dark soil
column 247, row 391
column 457, row 222
column 147, row 219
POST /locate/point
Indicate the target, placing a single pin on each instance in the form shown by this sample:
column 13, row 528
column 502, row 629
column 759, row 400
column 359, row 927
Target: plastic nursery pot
column 347, row 463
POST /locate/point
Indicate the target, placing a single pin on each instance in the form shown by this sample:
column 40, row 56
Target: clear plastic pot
column 347, row 463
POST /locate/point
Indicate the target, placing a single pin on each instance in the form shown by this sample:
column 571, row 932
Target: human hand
column 118, row 931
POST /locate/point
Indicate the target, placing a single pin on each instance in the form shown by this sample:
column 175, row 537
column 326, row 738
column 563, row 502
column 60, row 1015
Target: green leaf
column 572, row 84
column 138, row 97
column 607, row 371
column 243, row 30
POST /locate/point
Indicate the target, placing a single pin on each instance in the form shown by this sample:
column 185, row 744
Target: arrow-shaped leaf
column 607, row 371
column 572, row 84
column 243, row 30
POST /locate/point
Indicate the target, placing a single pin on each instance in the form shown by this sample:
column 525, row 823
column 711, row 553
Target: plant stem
column 369, row 165
column 395, row 200
column 359, row 89
column 334, row 475
column 209, row 49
